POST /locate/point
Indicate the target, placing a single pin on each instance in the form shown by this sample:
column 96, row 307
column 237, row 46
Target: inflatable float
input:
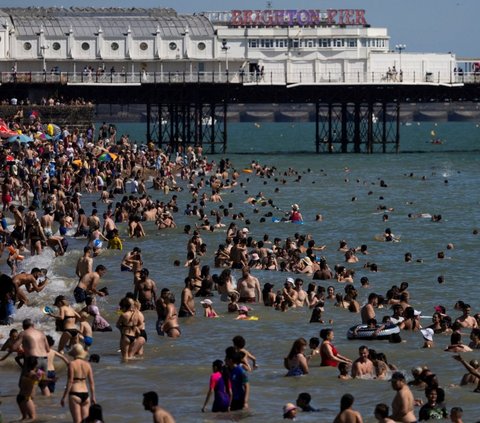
column 277, row 220
column 362, row 331
column 247, row 170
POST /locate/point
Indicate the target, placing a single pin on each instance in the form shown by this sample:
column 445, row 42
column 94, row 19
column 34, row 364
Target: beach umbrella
column 43, row 136
column 10, row 158
column 107, row 157
column 77, row 162
column 52, row 129
column 5, row 131
column 21, row 138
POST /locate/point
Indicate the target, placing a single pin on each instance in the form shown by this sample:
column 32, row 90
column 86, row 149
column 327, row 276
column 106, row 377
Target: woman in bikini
column 37, row 238
column 170, row 325
column 66, row 322
column 130, row 323
column 79, row 372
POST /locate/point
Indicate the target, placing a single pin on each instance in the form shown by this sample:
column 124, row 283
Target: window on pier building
column 324, row 42
column 282, row 43
column 266, row 43
column 253, row 43
column 352, row 42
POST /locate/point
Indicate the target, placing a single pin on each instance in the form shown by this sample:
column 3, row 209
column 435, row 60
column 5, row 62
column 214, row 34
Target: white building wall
column 3, row 43
column 81, row 51
column 415, row 66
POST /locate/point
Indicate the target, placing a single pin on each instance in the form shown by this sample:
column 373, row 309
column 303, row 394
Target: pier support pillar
column 177, row 126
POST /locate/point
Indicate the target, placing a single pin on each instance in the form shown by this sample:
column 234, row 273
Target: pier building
column 187, row 69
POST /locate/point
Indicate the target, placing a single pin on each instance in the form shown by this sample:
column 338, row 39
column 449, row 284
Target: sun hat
column 243, row 308
column 206, row 301
column 295, row 206
column 245, row 230
column 307, row 261
column 255, row 256
column 290, row 280
column 427, row 333
column 439, row 309
column 289, row 407
column 77, row 351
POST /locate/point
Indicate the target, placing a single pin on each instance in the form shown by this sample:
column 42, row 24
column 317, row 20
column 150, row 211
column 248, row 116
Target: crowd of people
column 42, row 190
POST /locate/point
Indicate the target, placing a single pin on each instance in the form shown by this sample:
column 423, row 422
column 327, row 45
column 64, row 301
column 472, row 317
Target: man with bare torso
column 187, row 305
column 35, row 346
column 363, row 367
column 84, row 263
column 249, row 287
column 302, row 295
column 87, row 285
column 150, row 403
column 30, row 281
column 465, row 320
column 93, row 221
column 368, row 310
column 46, row 221
column 403, row 402
column 145, row 291
column 108, row 225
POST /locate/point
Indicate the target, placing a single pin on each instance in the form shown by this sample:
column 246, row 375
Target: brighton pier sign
column 302, row 17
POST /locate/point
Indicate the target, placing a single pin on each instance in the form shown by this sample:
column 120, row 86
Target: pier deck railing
column 267, row 78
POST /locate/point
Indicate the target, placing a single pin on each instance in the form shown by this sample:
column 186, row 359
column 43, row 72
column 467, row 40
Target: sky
column 437, row 26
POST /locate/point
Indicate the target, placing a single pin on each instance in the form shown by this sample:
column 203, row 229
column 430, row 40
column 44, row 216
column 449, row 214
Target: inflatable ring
column 362, row 331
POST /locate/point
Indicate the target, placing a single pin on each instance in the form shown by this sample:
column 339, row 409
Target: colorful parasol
column 21, row 138
column 107, row 157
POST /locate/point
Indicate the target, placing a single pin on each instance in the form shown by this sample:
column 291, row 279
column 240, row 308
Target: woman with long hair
column 220, row 386
column 295, row 362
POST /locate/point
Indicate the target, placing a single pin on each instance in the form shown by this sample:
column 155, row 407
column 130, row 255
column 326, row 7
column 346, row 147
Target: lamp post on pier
column 400, row 48
column 225, row 48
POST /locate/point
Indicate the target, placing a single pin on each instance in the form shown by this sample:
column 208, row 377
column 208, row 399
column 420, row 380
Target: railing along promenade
column 267, row 78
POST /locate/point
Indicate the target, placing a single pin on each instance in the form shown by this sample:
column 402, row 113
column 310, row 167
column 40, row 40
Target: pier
column 189, row 70
column 349, row 118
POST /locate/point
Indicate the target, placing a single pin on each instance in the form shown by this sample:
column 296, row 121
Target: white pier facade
column 285, row 47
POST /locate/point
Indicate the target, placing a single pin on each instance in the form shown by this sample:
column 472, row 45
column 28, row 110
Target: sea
column 441, row 178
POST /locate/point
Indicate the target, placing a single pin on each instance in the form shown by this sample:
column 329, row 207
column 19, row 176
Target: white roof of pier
column 56, row 22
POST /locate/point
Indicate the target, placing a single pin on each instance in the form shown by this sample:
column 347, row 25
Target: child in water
column 208, row 309
column 115, row 243
column 243, row 313
column 239, row 344
column 14, row 256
